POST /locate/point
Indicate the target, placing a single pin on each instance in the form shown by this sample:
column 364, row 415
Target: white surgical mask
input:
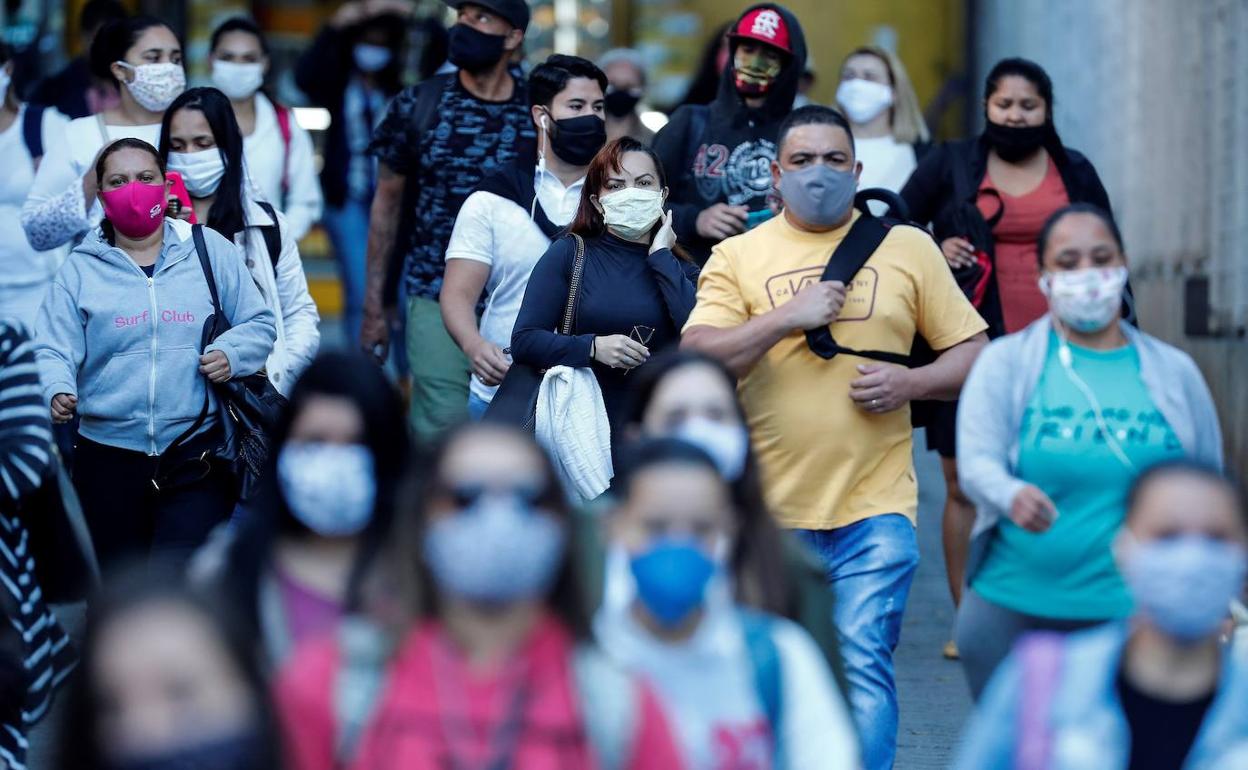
column 371, row 58
column 497, row 550
column 237, row 80
column 727, row 444
column 201, row 171
column 330, row 488
column 1085, row 300
column 632, row 212
column 155, row 86
column 863, row 100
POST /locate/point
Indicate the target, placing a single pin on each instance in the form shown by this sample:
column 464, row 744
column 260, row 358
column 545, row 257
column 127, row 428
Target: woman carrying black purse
column 634, row 293
column 119, row 344
column 987, row 198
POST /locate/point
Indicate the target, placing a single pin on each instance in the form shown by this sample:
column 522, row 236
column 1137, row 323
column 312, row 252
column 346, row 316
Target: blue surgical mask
column 818, row 195
column 371, row 58
column 671, row 577
column 330, row 488
column 496, row 550
column 1184, row 585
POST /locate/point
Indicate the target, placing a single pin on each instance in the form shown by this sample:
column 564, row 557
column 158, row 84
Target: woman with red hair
column 634, row 293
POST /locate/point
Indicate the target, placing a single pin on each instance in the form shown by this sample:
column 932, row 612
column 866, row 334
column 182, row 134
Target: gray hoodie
column 128, row 346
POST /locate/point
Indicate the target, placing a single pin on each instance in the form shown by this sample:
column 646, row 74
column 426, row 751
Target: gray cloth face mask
column 818, row 195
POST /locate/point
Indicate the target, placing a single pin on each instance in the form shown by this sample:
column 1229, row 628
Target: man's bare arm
column 383, row 224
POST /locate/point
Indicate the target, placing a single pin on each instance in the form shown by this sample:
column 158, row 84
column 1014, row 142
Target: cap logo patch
column 766, row 24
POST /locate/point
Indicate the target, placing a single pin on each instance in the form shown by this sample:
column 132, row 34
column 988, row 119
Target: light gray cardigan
column 1000, row 386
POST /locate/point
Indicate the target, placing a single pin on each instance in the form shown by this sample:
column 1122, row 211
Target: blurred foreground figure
column 476, row 652
column 167, row 682
column 727, row 675
column 1159, row 691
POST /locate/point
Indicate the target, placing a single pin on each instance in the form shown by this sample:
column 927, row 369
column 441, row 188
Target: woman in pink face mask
column 121, row 348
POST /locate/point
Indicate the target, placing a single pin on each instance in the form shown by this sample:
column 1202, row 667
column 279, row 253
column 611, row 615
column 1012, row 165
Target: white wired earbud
column 541, row 164
column 1067, row 360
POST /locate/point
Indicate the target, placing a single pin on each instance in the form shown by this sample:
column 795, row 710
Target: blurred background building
column 1155, row 92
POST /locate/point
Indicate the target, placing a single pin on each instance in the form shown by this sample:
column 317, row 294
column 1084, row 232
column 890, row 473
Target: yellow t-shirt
column 827, row 463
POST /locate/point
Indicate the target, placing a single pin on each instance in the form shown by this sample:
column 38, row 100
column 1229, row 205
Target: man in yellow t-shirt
column 833, row 436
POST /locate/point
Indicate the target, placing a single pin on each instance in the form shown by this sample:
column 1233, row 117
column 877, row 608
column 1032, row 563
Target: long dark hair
column 588, row 222
column 228, row 216
column 758, row 559
column 395, row 546
column 126, row 594
column 114, row 39
column 343, row 374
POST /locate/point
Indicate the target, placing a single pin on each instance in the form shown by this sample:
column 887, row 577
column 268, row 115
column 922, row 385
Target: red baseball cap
column 765, row 25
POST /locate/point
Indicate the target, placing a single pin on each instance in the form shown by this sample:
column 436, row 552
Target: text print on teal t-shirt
column 1068, row 572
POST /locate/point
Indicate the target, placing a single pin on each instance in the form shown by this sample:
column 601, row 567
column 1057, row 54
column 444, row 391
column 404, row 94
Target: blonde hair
column 907, row 119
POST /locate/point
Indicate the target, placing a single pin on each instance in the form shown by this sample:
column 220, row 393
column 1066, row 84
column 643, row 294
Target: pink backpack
column 1040, row 659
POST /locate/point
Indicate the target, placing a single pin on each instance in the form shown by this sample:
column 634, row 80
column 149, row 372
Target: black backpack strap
column 863, row 238
column 32, row 129
column 201, row 248
column 428, row 97
column 272, row 234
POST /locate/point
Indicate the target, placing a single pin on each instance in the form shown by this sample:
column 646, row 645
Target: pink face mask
column 135, row 209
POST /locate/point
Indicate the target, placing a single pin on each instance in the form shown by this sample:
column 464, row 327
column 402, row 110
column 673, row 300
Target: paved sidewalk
column 934, row 698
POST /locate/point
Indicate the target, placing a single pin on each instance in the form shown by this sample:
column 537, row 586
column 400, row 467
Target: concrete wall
column 1155, row 92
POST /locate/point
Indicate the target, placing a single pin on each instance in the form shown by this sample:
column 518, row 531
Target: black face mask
column 1013, row 143
column 472, row 50
column 620, row 103
column 244, row 751
column 578, row 140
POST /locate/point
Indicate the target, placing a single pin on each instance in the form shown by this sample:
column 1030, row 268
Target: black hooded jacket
column 722, row 152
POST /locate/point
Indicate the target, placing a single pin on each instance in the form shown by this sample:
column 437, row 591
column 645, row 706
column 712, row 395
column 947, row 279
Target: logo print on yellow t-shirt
column 859, row 300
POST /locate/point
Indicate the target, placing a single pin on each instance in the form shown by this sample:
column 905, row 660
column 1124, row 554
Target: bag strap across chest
column 850, row 255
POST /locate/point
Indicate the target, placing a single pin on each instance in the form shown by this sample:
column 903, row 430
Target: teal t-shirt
column 1068, row 572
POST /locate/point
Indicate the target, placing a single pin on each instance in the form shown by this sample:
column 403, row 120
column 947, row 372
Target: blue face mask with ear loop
column 672, row 576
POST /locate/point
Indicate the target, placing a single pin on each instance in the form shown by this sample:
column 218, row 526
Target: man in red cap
column 718, row 156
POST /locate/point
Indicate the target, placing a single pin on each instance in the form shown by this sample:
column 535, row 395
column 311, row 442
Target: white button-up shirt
column 495, row 231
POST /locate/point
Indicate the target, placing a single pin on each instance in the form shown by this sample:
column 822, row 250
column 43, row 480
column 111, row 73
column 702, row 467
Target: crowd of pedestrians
column 651, row 500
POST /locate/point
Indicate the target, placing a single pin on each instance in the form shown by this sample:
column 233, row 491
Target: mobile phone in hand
column 756, row 218
column 178, row 191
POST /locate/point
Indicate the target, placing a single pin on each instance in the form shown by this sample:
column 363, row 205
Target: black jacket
column 944, row 187
column 722, row 152
column 322, row 73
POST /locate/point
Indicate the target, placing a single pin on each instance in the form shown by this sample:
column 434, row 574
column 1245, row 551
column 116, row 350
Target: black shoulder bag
column 249, row 406
column 863, row 238
column 515, row 401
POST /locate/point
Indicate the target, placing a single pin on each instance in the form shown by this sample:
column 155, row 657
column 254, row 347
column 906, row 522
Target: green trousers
column 440, row 372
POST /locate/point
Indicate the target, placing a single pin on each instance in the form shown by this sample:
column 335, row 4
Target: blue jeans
column 870, row 565
column 476, row 407
column 347, row 226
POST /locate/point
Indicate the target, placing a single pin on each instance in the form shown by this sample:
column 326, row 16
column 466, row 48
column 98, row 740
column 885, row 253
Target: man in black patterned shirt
column 443, row 137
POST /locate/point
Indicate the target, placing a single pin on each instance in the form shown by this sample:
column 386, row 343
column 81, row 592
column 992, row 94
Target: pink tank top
column 1014, row 237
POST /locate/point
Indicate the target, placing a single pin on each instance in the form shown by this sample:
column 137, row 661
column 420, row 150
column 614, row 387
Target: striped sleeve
column 25, row 425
